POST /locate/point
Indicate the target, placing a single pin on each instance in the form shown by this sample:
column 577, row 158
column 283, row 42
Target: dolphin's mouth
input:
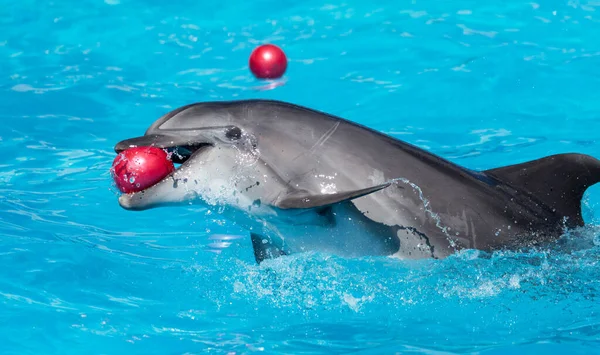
column 181, row 154
column 179, row 151
column 179, row 148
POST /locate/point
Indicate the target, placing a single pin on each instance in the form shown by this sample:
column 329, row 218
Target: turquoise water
column 483, row 85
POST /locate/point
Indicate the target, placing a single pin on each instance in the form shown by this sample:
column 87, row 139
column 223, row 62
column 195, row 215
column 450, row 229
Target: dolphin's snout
column 155, row 140
column 128, row 202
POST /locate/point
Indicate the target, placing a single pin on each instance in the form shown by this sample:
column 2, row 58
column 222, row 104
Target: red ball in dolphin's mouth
column 137, row 169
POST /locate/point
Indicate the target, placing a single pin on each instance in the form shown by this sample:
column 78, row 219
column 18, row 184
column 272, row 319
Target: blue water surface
column 483, row 84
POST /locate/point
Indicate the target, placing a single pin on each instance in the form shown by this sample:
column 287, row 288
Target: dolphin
column 301, row 180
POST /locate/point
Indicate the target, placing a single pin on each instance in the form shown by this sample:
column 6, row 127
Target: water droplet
column 132, row 180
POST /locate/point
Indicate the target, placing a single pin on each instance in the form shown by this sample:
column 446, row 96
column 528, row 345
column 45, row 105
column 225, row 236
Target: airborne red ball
column 136, row 169
column 268, row 62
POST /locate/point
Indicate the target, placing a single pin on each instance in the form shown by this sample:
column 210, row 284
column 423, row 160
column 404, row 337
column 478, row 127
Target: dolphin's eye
column 233, row 133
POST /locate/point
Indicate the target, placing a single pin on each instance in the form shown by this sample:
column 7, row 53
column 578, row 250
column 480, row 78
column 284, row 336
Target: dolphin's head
column 187, row 129
column 252, row 146
column 209, row 140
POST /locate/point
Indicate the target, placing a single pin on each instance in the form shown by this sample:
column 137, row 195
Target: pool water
column 483, row 85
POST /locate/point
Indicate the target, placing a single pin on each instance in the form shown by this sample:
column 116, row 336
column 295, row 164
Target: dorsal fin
column 559, row 181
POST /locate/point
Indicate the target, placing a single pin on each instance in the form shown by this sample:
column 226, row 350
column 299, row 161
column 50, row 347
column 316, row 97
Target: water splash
column 427, row 208
column 496, row 292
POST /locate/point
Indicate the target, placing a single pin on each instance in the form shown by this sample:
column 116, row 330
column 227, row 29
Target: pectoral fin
column 303, row 200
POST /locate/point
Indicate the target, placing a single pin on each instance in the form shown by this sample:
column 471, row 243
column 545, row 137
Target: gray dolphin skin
column 301, row 180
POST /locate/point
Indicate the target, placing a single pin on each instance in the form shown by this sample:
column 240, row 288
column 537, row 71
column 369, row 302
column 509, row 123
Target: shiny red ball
column 268, row 62
column 136, row 169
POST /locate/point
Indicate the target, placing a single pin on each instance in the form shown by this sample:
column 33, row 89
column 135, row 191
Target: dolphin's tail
column 559, row 181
